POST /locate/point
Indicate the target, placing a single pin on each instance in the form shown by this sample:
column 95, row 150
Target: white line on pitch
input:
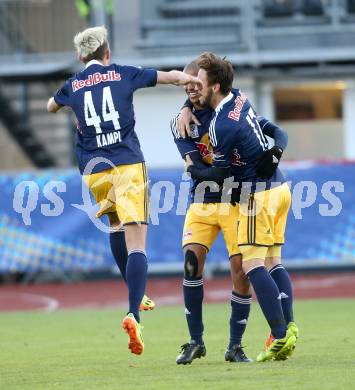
column 50, row 304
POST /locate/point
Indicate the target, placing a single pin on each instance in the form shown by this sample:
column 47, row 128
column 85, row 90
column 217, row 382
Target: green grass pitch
column 86, row 349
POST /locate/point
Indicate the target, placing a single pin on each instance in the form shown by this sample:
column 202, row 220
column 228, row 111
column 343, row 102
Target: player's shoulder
column 174, row 127
column 204, row 115
column 219, row 128
column 129, row 69
column 131, row 72
column 70, row 82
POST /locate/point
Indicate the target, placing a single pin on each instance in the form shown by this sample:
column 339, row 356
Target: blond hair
column 91, row 43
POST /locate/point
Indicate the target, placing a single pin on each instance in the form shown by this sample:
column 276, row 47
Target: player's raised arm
column 176, row 77
column 184, row 120
column 61, row 98
column 186, row 147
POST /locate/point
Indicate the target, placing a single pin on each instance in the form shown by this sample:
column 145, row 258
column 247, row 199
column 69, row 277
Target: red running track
column 165, row 291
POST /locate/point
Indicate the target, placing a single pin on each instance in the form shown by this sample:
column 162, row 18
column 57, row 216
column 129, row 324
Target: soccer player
column 235, row 135
column 109, row 154
column 206, row 216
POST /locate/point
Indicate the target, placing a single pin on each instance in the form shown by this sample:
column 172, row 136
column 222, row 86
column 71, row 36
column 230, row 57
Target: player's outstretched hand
column 188, row 162
column 186, row 118
column 176, row 77
column 185, row 78
column 269, row 162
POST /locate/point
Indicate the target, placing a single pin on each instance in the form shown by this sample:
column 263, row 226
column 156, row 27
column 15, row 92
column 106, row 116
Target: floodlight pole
column 98, row 13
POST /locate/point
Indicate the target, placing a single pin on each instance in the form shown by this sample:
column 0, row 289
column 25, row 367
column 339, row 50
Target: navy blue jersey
column 198, row 142
column 101, row 98
column 199, row 148
column 237, row 139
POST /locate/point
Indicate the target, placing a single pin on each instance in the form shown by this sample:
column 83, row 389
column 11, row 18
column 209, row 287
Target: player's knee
column 241, row 283
column 115, row 223
column 135, row 235
column 248, row 265
column 191, row 264
column 271, row 262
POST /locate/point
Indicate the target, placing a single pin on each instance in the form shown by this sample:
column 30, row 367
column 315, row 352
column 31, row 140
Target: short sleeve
column 222, row 140
column 184, row 145
column 63, row 96
column 140, row 77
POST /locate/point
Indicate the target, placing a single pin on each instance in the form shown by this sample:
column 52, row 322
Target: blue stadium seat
column 312, row 7
column 279, row 8
column 288, row 8
column 351, row 6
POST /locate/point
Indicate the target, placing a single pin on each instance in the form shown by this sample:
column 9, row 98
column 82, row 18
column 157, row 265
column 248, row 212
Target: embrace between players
column 237, row 189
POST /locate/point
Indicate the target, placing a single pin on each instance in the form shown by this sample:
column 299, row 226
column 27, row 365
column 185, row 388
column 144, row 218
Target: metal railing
column 165, row 32
column 38, row 26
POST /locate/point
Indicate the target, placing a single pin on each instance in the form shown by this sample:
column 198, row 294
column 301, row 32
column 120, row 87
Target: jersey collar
column 93, row 62
column 224, row 101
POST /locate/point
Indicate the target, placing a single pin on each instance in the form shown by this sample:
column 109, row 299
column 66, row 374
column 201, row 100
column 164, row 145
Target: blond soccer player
column 109, row 154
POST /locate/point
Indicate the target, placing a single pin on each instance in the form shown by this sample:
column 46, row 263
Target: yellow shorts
column 204, row 221
column 262, row 222
column 122, row 190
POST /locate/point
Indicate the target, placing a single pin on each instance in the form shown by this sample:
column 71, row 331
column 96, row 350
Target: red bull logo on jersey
column 187, row 234
column 203, row 149
column 94, row 79
column 239, row 102
column 205, row 153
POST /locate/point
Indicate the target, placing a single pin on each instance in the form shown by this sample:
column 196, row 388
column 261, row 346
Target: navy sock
column 136, row 276
column 269, row 300
column 239, row 317
column 119, row 251
column 193, row 297
column 283, row 282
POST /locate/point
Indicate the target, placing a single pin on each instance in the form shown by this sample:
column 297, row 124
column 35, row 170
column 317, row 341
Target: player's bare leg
column 240, row 305
column 191, row 267
column 195, row 256
column 241, row 284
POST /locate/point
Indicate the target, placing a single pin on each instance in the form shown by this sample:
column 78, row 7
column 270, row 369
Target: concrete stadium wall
column 314, row 139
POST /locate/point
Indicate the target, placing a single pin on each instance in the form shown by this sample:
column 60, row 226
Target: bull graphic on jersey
column 205, row 148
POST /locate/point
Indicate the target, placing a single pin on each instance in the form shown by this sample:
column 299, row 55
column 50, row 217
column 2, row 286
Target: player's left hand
column 269, row 162
column 186, row 117
column 188, row 162
column 185, row 79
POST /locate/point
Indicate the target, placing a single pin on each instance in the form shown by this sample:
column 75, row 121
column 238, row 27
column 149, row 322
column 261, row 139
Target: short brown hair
column 219, row 71
column 192, row 67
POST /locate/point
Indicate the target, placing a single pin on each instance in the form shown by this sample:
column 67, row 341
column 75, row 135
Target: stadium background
column 295, row 60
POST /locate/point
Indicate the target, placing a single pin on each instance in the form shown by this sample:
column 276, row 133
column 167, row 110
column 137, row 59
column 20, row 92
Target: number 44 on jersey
column 109, row 113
